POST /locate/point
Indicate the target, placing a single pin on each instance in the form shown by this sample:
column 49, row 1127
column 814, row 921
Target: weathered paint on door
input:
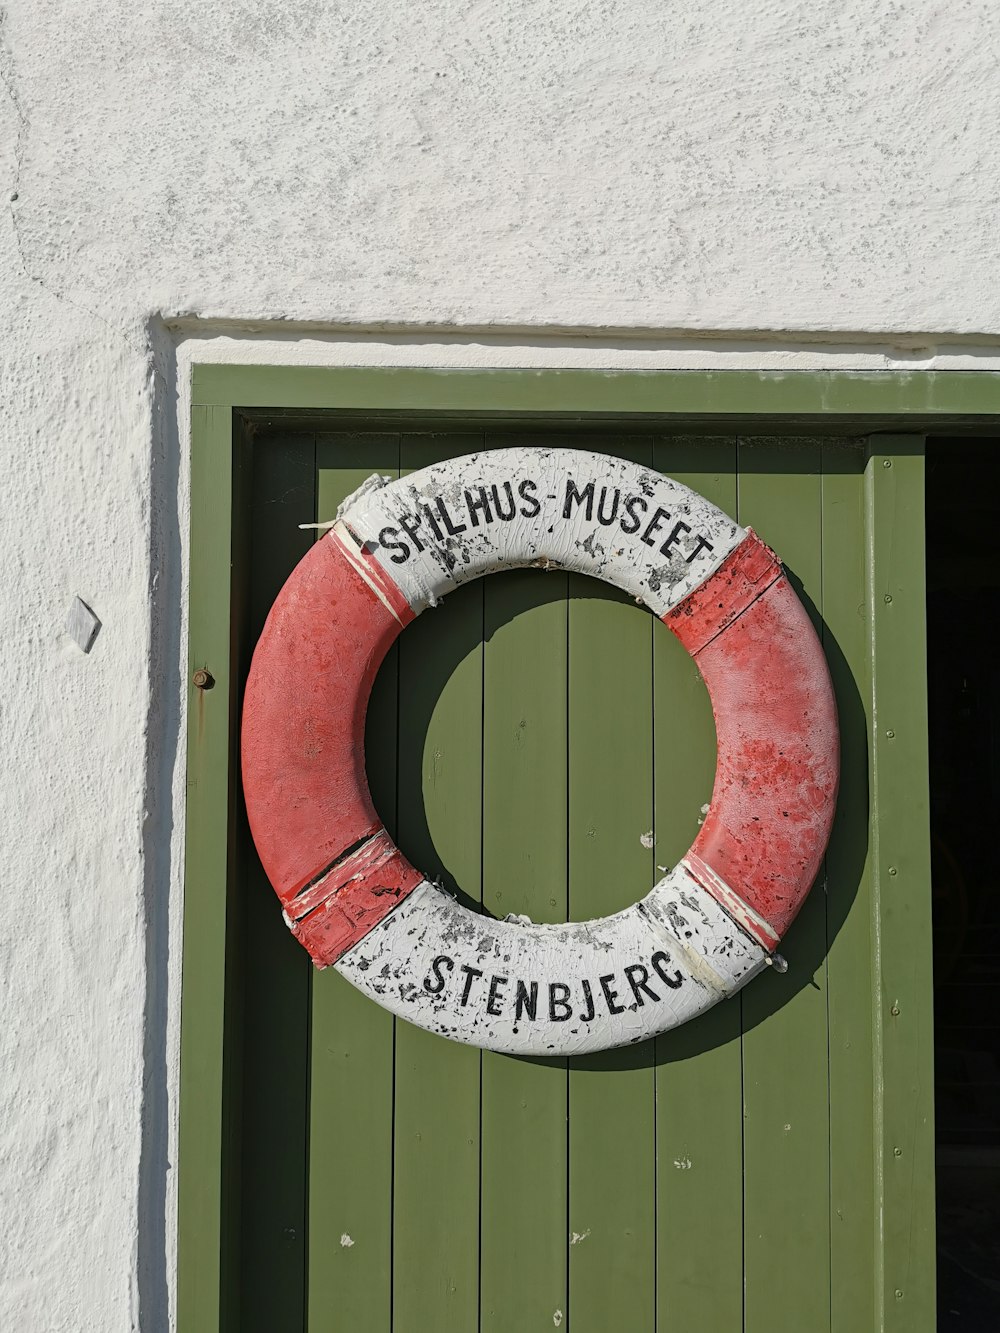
column 524, row 740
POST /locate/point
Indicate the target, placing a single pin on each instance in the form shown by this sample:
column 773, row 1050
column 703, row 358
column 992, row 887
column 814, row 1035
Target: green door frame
column 897, row 409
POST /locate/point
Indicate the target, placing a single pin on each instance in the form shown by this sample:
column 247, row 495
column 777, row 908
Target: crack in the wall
column 9, row 79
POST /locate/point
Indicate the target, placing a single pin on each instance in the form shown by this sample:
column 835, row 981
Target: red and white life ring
column 352, row 898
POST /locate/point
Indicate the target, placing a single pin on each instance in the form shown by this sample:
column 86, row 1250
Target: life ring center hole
column 540, row 745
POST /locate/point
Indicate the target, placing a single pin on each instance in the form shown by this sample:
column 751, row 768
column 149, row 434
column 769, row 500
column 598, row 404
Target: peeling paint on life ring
column 351, row 897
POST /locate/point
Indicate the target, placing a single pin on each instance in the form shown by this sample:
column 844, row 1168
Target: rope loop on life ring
column 352, row 898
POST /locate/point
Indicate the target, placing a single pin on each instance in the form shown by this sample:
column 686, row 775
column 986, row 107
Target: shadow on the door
column 441, row 641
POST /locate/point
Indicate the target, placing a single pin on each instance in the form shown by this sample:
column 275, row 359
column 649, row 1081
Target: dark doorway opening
column 963, row 604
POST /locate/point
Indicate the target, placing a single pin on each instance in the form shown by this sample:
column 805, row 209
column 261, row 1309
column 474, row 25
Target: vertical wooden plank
column 699, row 1079
column 612, row 1146
column 850, row 977
column 209, row 842
column 351, row 1129
column 524, row 1109
column 436, row 1178
column 904, row 1033
column 785, row 1065
column 276, row 971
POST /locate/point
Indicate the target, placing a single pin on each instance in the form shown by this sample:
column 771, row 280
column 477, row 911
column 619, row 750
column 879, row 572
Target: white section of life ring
column 455, row 521
column 554, row 989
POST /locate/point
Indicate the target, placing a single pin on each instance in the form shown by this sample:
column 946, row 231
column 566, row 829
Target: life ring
column 351, row 897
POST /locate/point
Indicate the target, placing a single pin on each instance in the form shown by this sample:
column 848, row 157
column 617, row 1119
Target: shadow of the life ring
column 435, row 646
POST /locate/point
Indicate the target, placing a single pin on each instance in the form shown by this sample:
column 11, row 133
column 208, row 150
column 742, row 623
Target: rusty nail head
column 202, row 679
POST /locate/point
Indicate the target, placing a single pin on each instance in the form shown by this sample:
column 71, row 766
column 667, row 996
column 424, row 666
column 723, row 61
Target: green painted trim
column 209, row 1062
column 901, row 928
column 673, row 393
column 903, row 1021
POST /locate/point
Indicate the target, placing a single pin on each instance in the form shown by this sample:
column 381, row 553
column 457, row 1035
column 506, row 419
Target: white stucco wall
column 818, row 183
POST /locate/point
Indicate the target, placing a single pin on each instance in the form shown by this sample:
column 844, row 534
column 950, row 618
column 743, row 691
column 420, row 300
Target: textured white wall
column 824, row 171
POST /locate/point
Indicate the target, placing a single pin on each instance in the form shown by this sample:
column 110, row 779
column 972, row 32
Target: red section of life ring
column 323, row 847
column 769, row 820
column 320, row 841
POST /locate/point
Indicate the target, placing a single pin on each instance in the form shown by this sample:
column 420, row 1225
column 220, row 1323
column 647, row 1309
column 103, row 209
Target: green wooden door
column 525, row 740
